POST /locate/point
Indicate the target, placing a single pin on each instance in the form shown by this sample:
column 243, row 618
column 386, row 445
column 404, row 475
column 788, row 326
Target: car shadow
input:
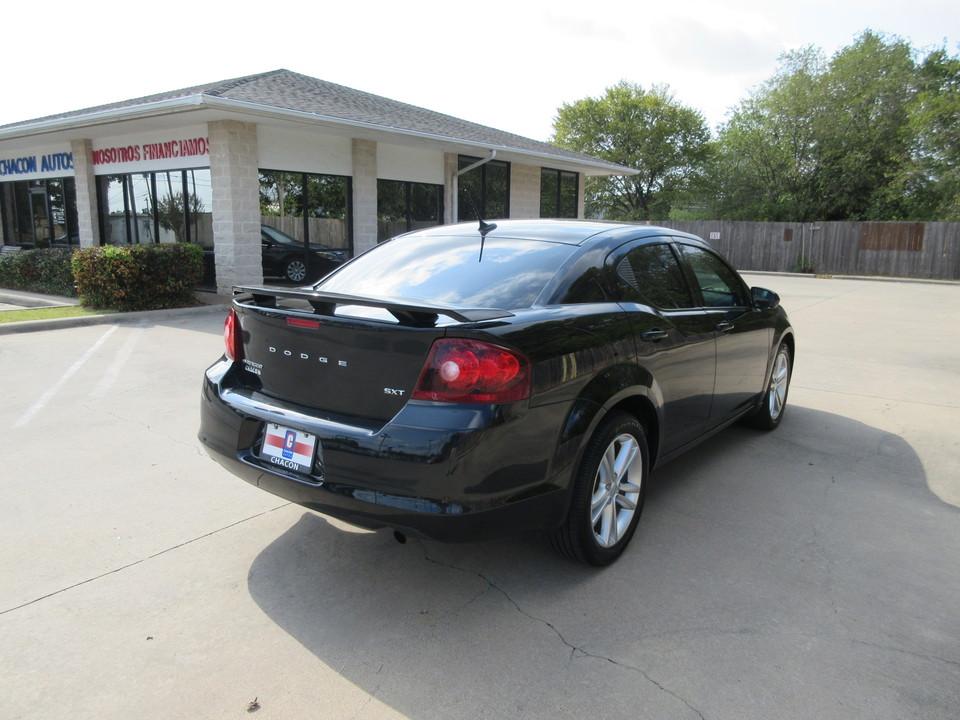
column 754, row 549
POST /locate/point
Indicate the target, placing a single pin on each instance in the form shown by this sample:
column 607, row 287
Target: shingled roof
column 286, row 90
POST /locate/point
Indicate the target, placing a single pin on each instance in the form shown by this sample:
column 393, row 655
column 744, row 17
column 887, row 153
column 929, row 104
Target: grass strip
column 47, row 313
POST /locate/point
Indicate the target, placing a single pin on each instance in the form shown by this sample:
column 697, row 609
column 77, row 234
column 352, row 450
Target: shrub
column 138, row 277
column 43, row 271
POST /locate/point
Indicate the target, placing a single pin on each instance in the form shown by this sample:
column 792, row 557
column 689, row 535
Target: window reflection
column 558, row 193
column 307, row 207
column 171, row 206
column 719, row 285
column 654, row 277
column 40, row 213
column 509, row 275
column 488, row 185
column 404, row 206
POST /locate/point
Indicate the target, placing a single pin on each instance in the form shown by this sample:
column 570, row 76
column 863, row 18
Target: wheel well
column 789, row 342
column 642, row 409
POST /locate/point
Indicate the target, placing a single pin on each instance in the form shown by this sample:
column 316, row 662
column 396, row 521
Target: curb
column 143, row 316
column 35, row 300
column 865, row 278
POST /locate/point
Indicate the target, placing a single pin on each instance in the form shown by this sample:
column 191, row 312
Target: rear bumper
column 446, row 472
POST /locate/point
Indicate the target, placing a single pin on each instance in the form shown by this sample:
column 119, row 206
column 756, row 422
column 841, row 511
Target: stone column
column 234, row 175
column 450, row 166
column 88, row 216
column 524, row 191
column 364, row 195
column 581, row 204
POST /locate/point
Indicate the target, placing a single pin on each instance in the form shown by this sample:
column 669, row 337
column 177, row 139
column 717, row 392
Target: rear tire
column 295, row 271
column 608, row 493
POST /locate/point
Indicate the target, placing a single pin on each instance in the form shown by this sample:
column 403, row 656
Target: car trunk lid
column 317, row 350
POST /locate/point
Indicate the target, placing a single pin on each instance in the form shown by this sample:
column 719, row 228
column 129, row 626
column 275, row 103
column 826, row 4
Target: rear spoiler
column 408, row 313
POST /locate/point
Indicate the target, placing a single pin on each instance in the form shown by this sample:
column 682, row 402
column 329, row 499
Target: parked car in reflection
column 460, row 383
column 70, row 239
column 284, row 256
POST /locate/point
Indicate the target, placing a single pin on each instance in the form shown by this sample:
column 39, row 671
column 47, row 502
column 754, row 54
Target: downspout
column 455, row 204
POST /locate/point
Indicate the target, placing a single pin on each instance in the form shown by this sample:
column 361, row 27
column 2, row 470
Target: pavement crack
column 911, row 653
column 129, row 565
column 885, row 398
column 575, row 650
column 190, row 443
column 493, row 586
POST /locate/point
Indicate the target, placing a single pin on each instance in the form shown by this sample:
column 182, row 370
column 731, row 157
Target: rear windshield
column 451, row 271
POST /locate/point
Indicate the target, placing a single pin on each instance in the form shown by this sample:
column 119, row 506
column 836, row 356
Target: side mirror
column 764, row 299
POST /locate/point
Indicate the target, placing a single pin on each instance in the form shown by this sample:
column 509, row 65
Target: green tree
column 870, row 134
column 766, row 164
column 932, row 178
column 170, row 213
column 863, row 141
column 647, row 130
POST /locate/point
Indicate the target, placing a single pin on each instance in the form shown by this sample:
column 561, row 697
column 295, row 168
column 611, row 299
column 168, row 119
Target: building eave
column 240, row 109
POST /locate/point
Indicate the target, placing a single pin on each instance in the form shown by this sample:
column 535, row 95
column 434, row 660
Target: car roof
column 567, row 232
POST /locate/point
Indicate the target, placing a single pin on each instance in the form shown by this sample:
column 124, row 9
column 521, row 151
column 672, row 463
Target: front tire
column 608, row 493
column 774, row 404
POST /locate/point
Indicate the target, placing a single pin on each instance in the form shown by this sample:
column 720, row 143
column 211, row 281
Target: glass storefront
column 170, row 206
column 313, row 209
column 558, row 193
column 488, row 185
column 405, row 206
column 40, row 213
column 159, row 207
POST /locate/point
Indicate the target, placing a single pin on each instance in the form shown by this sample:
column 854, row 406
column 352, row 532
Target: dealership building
column 319, row 162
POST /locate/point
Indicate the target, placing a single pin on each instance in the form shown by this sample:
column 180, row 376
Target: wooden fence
column 886, row 249
column 323, row 231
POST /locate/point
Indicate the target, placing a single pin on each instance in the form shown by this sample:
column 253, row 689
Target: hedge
column 42, row 271
column 138, row 277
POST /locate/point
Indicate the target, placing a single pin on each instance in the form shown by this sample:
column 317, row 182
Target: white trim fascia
column 268, row 110
column 199, row 102
column 102, row 117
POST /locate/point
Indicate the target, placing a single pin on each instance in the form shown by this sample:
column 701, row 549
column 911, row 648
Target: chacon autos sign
column 31, row 164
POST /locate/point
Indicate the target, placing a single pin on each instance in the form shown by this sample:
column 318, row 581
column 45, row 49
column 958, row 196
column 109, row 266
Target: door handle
column 725, row 326
column 654, row 335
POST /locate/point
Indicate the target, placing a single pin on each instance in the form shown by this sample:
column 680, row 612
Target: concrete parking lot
column 813, row 572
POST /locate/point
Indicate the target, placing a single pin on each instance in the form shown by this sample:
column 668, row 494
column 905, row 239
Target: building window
column 558, row 193
column 171, row 206
column 312, row 209
column 405, row 206
column 40, row 213
column 488, row 185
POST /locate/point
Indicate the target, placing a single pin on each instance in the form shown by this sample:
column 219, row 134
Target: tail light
column 471, row 371
column 233, row 336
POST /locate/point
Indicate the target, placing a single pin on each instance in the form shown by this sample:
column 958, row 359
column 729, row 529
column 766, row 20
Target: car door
column 743, row 334
column 673, row 336
column 270, row 254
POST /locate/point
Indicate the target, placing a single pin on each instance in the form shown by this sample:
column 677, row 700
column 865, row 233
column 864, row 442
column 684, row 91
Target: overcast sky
column 508, row 64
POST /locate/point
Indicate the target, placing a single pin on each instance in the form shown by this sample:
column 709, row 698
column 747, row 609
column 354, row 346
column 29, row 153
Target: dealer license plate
column 289, row 448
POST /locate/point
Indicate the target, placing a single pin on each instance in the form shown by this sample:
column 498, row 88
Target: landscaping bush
column 138, row 277
column 41, row 271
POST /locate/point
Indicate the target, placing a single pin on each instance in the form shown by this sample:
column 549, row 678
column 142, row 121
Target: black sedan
column 286, row 257
column 459, row 383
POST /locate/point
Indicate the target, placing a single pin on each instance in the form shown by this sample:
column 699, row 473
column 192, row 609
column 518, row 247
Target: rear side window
column 498, row 273
column 653, row 276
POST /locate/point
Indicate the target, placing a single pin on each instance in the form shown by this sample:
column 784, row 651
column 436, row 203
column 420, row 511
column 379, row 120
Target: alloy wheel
column 616, row 490
column 779, row 383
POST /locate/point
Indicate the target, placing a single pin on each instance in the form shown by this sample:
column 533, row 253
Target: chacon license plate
column 289, row 448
